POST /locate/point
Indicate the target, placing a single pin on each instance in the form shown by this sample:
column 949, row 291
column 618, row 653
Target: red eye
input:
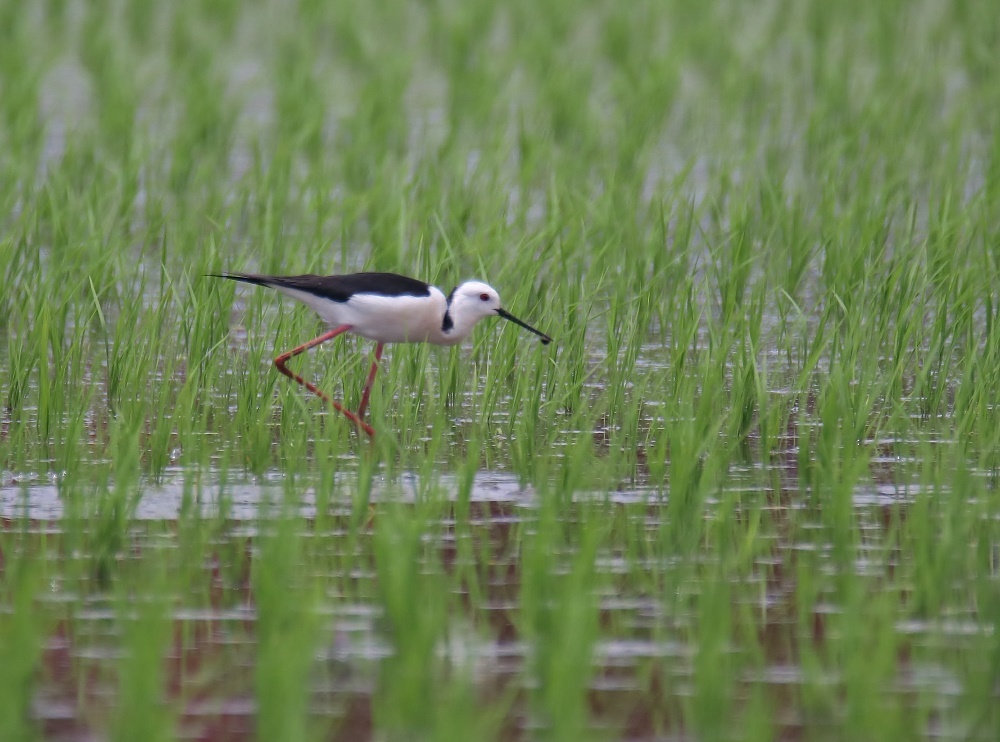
column 484, row 297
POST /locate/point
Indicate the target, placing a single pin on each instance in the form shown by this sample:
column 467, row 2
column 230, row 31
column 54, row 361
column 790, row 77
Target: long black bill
column 507, row 315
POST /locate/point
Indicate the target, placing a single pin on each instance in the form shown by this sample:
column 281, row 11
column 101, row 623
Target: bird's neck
column 455, row 326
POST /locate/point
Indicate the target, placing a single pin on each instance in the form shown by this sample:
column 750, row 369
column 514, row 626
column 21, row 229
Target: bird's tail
column 253, row 278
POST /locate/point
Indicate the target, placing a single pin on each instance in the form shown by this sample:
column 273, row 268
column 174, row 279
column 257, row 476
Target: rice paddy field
column 749, row 493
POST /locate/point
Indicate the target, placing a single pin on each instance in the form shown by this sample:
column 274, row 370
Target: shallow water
column 643, row 661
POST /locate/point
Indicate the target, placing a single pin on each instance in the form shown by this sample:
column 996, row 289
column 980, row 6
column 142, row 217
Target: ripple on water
column 645, row 641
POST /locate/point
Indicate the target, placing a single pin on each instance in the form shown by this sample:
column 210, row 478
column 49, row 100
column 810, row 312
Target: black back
column 340, row 288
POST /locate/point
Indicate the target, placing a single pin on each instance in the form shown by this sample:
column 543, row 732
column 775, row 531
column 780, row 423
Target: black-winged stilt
column 386, row 308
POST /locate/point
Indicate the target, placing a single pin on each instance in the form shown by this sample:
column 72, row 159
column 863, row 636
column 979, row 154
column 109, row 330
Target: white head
column 472, row 301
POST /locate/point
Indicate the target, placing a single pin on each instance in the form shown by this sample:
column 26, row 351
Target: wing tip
column 245, row 277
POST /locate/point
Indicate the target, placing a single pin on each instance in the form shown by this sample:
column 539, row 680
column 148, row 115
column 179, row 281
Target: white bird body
column 399, row 319
column 386, row 308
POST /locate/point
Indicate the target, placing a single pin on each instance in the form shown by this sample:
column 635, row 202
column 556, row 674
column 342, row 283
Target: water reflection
column 645, row 653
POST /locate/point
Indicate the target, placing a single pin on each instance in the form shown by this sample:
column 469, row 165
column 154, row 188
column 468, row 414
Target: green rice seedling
column 559, row 619
column 205, row 126
column 867, row 651
column 287, row 632
column 110, row 507
column 21, row 72
column 22, row 634
column 712, row 702
column 980, row 668
column 409, row 578
column 142, row 711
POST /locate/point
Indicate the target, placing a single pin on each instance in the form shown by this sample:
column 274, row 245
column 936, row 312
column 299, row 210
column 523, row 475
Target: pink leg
column 281, row 360
column 371, row 379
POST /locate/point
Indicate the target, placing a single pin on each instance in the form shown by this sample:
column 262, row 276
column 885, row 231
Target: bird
column 386, row 308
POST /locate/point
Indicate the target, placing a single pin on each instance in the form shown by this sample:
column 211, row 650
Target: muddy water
column 640, row 681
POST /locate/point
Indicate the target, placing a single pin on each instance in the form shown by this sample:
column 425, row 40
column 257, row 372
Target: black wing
column 339, row 288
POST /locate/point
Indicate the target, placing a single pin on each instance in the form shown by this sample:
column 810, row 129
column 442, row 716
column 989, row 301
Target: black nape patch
column 342, row 288
column 447, row 323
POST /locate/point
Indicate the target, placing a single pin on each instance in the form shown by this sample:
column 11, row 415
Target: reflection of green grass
column 764, row 236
